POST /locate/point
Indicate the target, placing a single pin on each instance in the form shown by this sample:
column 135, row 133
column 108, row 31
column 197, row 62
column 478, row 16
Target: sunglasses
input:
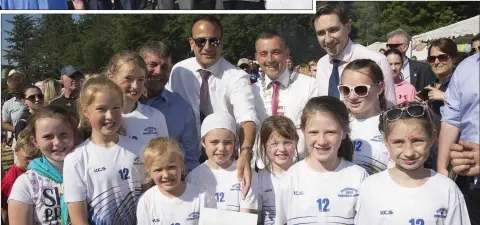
column 359, row 90
column 441, row 58
column 201, row 42
column 412, row 110
column 394, row 45
column 32, row 98
column 475, row 49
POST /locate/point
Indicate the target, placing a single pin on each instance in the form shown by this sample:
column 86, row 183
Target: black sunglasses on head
column 394, row 45
column 32, row 98
column 412, row 110
column 201, row 42
column 441, row 58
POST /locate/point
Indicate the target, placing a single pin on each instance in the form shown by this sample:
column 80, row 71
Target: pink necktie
column 275, row 85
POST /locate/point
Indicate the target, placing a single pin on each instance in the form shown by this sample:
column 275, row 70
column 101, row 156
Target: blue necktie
column 334, row 80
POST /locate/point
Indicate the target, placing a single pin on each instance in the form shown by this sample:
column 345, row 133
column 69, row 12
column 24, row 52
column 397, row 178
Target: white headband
column 218, row 120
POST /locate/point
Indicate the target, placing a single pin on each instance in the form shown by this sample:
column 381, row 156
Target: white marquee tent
column 468, row 27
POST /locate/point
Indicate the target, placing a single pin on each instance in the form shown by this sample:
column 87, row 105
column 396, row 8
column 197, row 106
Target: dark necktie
column 205, row 104
column 334, row 80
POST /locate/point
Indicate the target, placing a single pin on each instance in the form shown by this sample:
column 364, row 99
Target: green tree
column 19, row 51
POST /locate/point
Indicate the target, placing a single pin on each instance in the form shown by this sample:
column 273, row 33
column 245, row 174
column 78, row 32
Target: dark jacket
column 421, row 74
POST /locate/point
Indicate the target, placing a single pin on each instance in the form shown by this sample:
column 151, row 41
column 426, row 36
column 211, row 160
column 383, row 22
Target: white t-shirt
column 438, row 201
column 310, row 197
column 156, row 208
column 108, row 179
column 369, row 150
column 145, row 123
column 41, row 192
column 289, row 4
column 268, row 185
column 224, row 184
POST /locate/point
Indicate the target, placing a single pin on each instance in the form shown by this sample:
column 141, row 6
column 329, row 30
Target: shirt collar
column 445, row 81
column 215, row 69
column 284, row 79
column 163, row 95
column 346, row 54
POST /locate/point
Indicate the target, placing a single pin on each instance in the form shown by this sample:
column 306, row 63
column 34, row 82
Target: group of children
column 102, row 179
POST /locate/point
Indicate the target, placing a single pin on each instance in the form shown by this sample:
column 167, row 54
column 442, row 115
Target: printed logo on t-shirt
column 377, row 138
column 99, row 169
column 150, row 131
column 52, row 203
column 297, row 192
column 348, row 192
column 386, row 212
column 441, row 213
column 268, row 190
column 236, row 187
column 194, row 216
column 137, row 161
column 155, row 220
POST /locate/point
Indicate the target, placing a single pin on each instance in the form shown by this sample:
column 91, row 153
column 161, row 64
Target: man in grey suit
column 415, row 72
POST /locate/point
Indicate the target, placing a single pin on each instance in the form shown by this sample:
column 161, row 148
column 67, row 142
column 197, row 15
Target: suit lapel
column 413, row 74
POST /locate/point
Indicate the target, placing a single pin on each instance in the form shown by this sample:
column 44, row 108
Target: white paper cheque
column 223, row 217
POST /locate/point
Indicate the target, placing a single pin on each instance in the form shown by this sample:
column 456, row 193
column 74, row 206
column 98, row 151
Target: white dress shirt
column 352, row 52
column 406, row 71
column 229, row 89
column 294, row 92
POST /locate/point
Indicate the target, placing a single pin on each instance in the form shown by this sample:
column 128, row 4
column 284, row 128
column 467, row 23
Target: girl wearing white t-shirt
column 103, row 174
column 278, row 146
column 37, row 195
column 362, row 88
column 408, row 193
column 142, row 122
column 218, row 175
column 324, row 187
column 171, row 200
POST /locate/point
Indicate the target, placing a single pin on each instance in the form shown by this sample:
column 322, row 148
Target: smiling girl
column 408, row 193
column 171, row 200
column 128, row 70
column 278, row 146
column 324, row 187
column 103, row 174
column 218, row 174
column 362, row 87
column 37, row 195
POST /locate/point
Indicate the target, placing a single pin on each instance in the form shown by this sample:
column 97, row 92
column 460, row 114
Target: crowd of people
column 356, row 137
column 156, row 5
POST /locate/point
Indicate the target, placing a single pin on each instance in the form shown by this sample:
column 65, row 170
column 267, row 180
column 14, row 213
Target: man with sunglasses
column 211, row 84
column 281, row 92
column 332, row 27
column 72, row 80
column 416, row 73
column 460, row 117
column 181, row 123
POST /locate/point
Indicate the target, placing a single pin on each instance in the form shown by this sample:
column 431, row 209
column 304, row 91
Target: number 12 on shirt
column 124, row 174
column 220, row 196
column 416, row 222
column 323, row 204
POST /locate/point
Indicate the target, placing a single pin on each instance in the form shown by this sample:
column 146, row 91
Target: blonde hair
column 91, row 75
column 24, row 143
column 125, row 57
column 51, row 90
column 160, row 148
column 87, row 96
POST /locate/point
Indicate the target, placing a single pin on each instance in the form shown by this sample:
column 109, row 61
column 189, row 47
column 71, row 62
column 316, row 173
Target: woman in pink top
column 405, row 91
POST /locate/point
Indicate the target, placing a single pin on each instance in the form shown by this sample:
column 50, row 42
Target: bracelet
column 249, row 149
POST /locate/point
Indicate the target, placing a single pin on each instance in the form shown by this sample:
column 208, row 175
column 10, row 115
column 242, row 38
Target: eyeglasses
column 201, row 42
column 412, row 110
column 32, row 98
column 394, row 45
column 442, row 58
column 359, row 90
column 475, row 50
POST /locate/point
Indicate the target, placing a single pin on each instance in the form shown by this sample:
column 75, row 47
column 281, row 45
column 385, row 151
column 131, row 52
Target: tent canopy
column 464, row 29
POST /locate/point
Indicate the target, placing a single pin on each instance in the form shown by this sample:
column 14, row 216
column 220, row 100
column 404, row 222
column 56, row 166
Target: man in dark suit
column 417, row 73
